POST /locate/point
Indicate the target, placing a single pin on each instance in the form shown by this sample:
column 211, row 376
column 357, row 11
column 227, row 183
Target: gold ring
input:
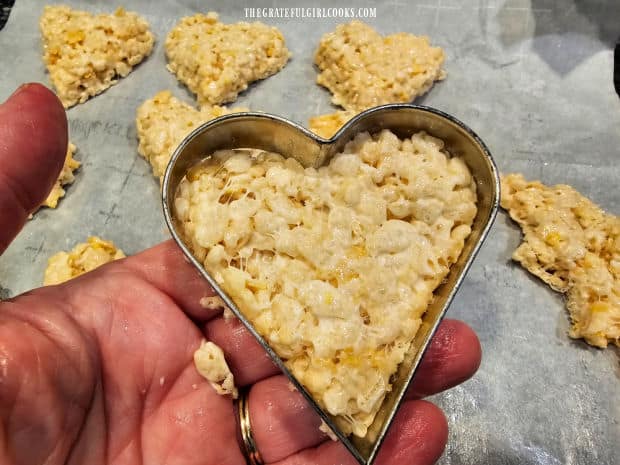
column 249, row 445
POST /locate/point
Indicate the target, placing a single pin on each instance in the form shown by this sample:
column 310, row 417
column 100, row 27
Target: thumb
column 33, row 145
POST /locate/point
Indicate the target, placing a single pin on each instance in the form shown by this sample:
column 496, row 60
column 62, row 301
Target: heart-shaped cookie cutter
column 275, row 134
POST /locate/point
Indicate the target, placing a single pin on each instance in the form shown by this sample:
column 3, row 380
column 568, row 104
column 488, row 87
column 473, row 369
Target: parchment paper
column 532, row 77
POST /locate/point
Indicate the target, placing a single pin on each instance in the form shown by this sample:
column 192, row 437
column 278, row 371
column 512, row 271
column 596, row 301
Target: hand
column 100, row 369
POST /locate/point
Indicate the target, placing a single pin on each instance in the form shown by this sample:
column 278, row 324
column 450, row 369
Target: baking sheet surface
column 532, row 77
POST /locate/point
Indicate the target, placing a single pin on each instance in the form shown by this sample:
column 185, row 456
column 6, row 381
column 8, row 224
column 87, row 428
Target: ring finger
column 286, row 430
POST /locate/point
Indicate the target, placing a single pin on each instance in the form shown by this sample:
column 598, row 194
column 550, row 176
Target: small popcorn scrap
column 228, row 314
column 327, row 125
column 211, row 364
column 217, row 61
column 65, row 177
column 363, row 69
column 216, row 303
column 84, row 257
column 163, row 122
column 574, row 247
column 85, row 54
column 324, row 428
column 212, row 302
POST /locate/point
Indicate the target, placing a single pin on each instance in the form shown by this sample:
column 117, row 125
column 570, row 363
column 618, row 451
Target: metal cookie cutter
column 276, row 134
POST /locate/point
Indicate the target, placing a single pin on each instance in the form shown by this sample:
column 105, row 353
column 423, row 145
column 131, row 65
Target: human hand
column 100, row 370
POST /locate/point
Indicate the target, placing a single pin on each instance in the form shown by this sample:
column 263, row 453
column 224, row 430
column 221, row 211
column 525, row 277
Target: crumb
column 228, row 314
column 324, row 428
column 212, row 302
column 216, row 303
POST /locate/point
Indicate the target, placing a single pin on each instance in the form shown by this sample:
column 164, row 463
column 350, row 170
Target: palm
column 129, row 366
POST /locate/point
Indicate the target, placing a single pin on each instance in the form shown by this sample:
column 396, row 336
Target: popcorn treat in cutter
column 275, row 134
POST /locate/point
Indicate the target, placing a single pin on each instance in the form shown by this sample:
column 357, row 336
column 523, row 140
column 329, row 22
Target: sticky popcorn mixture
column 85, row 54
column 217, row 61
column 574, row 247
column 66, row 177
column 327, row 125
column 363, row 69
column 84, row 257
column 163, row 122
column 211, row 364
column 335, row 266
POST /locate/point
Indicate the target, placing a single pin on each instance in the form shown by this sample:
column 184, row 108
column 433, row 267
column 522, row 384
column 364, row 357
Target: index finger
column 166, row 267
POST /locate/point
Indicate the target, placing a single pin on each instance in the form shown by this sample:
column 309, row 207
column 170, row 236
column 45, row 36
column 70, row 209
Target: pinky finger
column 417, row 436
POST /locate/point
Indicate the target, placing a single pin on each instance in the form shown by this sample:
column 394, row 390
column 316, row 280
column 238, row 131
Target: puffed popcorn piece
column 211, row 364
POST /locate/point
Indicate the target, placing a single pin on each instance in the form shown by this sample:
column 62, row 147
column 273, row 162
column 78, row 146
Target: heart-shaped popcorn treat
column 216, row 61
column 163, row 121
column 362, row 69
column 85, row 54
column 333, row 266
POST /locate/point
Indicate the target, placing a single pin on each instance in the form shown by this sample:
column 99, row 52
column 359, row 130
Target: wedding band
column 249, row 445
